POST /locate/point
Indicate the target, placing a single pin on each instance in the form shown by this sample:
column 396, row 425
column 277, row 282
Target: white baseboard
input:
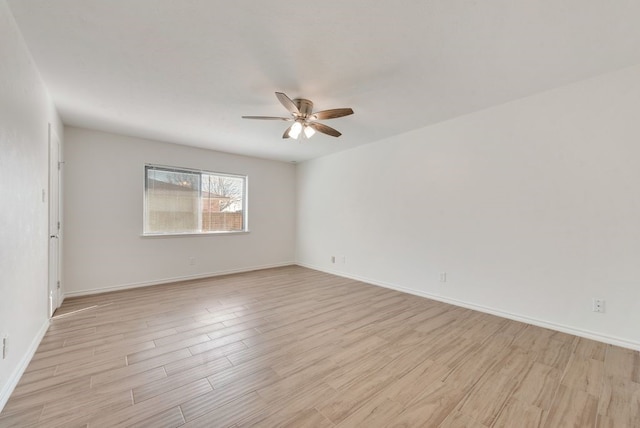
column 612, row 340
column 14, row 378
column 169, row 280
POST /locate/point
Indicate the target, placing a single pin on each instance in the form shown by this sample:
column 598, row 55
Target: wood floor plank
column 133, row 369
column 81, row 408
column 170, row 418
column 85, row 353
column 538, row 386
column 485, row 400
column 155, row 351
column 620, row 402
column 586, row 348
column 528, row 416
column 220, row 341
column 68, row 375
column 227, row 414
column 21, row 418
column 585, row 374
column 140, row 412
column 46, row 395
column 36, row 375
column 516, row 364
column 414, row 383
column 467, row 369
column 379, row 411
column 125, row 349
column 432, row 407
column 354, row 395
column 183, row 335
column 347, row 374
column 177, row 365
column 164, row 384
column 281, row 412
column 457, row 419
column 134, row 381
column 310, row 418
column 297, row 382
column 623, row 363
column 210, row 401
column 572, row 407
column 294, row 347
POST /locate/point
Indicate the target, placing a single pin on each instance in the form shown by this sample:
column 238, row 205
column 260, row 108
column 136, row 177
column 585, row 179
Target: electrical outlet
column 343, row 259
column 333, row 259
column 5, row 346
column 598, row 305
column 192, row 261
column 443, row 277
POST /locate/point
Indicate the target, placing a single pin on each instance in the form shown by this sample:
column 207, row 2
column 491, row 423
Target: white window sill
column 191, row 234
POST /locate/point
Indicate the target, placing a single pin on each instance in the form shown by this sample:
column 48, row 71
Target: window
column 185, row 201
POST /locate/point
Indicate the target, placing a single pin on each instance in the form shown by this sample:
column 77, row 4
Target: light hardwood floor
column 300, row 348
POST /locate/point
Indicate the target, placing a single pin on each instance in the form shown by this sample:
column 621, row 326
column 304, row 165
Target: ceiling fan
column 303, row 118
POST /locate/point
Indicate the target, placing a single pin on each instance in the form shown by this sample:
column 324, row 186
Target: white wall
column 103, row 203
column 25, row 112
column 532, row 208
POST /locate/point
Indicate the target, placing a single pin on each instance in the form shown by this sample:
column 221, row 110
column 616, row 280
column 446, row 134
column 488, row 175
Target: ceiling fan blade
column 332, row 114
column 287, row 103
column 268, row 118
column 324, row 129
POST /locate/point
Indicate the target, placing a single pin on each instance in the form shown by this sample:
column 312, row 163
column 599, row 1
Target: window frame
column 245, row 203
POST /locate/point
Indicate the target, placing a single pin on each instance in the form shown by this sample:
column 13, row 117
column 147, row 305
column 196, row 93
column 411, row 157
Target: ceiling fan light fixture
column 309, row 131
column 295, row 130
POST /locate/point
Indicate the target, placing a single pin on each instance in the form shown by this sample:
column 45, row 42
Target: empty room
column 336, row 214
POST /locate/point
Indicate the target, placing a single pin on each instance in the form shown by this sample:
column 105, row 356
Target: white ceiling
column 185, row 71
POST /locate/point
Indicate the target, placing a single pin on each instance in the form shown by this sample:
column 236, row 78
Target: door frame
column 54, row 223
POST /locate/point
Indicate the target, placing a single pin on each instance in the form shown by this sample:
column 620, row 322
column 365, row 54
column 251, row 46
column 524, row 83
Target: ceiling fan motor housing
column 305, row 106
